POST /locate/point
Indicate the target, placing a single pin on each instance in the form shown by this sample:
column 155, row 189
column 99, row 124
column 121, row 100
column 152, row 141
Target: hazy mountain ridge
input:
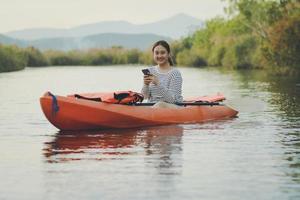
column 103, row 40
column 8, row 40
column 174, row 27
column 104, row 34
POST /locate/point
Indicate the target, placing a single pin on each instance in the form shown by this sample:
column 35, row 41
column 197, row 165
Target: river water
column 254, row 156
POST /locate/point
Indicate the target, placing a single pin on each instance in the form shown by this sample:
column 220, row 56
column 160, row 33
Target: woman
column 164, row 84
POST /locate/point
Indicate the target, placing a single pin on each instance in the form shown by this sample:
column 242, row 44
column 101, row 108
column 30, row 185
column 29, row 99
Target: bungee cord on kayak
column 55, row 107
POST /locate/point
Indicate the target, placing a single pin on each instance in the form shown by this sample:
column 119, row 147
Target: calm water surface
column 254, row 156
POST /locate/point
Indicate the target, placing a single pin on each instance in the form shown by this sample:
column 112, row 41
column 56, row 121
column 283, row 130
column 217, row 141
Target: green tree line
column 13, row 58
column 256, row 34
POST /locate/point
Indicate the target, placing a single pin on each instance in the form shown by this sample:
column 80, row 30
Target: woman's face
column 160, row 55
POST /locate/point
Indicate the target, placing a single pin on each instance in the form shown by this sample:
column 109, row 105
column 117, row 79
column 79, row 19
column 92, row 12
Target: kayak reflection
column 164, row 146
column 114, row 144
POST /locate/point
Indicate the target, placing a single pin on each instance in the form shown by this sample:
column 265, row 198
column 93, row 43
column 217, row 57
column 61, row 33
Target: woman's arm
column 145, row 91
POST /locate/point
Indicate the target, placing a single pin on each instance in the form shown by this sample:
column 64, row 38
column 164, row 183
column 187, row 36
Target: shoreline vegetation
column 257, row 34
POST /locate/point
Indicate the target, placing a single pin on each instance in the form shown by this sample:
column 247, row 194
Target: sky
column 22, row 14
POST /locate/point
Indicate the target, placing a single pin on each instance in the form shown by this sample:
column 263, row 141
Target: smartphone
column 146, row 72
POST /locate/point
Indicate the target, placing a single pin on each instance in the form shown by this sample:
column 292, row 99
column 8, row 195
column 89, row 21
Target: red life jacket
column 119, row 97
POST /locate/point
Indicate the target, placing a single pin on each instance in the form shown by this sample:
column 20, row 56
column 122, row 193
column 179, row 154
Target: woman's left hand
column 151, row 79
column 155, row 80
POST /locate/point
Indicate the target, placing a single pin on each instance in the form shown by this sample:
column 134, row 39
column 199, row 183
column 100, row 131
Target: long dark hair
column 167, row 46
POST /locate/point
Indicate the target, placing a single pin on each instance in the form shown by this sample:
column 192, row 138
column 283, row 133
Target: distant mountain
column 104, row 34
column 173, row 27
column 38, row 33
column 103, row 40
column 139, row 41
column 8, row 40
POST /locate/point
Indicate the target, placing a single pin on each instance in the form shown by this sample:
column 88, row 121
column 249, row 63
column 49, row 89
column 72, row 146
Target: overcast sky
column 21, row 14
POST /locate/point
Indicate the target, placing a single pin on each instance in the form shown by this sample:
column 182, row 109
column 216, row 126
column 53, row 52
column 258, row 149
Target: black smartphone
column 146, row 72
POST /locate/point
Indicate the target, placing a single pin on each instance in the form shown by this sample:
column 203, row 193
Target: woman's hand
column 150, row 79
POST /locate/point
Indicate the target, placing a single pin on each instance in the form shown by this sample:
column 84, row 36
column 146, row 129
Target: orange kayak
column 70, row 113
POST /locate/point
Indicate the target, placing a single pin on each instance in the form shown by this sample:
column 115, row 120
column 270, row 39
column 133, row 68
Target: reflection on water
column 69, row 145
column 128, row 156
column 283, row 97
column 115, row 144
column 282, row 93
column 166, row 144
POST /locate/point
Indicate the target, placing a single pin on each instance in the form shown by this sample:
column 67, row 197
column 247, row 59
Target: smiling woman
column 164, row 83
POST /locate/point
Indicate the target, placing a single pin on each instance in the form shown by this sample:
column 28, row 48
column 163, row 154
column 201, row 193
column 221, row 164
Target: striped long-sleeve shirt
column 169, row 88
